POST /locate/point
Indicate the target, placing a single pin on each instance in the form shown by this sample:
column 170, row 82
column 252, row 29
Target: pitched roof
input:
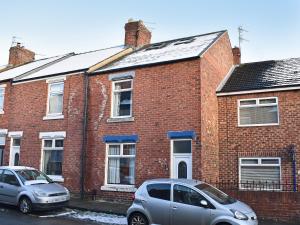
column 75, row 63
column 263, row 75
column 19, row 70
column 168, row 51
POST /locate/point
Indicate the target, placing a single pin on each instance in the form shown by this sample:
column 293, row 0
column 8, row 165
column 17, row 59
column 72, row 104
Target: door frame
column 178, row 154
column 14, row 135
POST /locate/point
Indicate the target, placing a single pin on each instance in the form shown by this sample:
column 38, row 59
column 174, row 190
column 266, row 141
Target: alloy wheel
column 25, row 206
column 138, row 220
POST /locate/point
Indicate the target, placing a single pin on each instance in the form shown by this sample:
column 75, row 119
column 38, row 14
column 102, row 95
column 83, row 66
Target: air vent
column 184, row 41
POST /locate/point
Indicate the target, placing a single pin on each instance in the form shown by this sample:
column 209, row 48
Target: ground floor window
column 121, row 164
column 52, row 156
column 260, row 173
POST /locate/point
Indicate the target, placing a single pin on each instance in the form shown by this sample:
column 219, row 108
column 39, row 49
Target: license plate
column 62, row 199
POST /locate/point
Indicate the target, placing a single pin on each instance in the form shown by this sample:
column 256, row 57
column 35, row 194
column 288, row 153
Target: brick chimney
column 236, row 52
column 136, row 34
column 19, row 55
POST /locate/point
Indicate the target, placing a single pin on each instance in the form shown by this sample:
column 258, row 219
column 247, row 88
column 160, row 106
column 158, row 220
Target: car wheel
column 138, row 219
column 25, row 205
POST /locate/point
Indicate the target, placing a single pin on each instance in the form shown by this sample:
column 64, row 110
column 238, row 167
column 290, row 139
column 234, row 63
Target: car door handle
column 174, row 207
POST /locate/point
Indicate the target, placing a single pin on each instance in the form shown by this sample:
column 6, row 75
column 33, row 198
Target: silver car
column 186, row 202
column 30, row 189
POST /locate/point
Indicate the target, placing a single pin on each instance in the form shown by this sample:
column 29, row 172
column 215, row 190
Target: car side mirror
column 204, row 203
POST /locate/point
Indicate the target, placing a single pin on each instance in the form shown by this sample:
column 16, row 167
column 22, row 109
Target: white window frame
column 57, row 178
column 121, row 186
column 49, row 115
column 260, row 164
column 123, row 90
column 257, row 105
column 2, row 95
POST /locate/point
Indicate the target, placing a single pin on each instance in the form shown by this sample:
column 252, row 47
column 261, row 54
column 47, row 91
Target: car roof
column 15, row 168
column 169, row 180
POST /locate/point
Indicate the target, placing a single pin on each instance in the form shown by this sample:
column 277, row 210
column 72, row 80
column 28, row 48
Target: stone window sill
column 56, row 178
column 53, row 117
column 119, row 188
column 120, row 120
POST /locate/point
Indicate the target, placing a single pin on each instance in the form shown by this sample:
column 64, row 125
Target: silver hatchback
column 190, row 202
column 30, row 189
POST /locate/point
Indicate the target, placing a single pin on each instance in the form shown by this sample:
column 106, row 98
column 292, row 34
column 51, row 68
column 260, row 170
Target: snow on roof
column 166, row 51
column 78, row 62
column 19, row 70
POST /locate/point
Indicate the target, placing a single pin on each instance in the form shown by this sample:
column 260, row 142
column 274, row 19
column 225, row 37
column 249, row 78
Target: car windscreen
column 215, row 194
column 33, row 175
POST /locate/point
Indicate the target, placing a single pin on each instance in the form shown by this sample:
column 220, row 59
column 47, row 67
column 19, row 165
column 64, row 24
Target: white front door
column 182, row 166
column 181, row 159
column 15, row 152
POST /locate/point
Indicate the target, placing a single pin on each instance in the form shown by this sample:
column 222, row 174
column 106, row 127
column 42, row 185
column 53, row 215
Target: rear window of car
column 160, row 191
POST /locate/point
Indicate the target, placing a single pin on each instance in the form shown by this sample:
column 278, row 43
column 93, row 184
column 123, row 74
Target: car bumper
column 48, row 206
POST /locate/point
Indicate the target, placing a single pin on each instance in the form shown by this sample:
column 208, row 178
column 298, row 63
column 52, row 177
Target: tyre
column 25, row 205
column 138, row 219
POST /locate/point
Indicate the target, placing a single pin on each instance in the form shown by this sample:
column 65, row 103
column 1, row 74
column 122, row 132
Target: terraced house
column 259, row 125
column 104, row 121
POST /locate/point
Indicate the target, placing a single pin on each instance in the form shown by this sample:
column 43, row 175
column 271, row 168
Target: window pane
column 160, row 191
column 182, row 146
column 48, row 143
column 270, row 161
column 128, row 149
column 249, row 161
column 59, row 143
column 1, row 102
column 2, row 140
column 9, row 178
column 123, row 85
column 259, row 176
column 125, row 103
column 182, row 170
column 59, row 87
column 1, row 91
column 186, row 195
column 55, row 103
column 267, row 101
column 121, row 171
column 53, row 162
column 16, row 142
column 259, row 115
column 114, row 150
column 247, row 102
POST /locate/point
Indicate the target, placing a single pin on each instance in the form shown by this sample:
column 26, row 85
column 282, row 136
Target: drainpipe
column 292, row 152
column 84, row 136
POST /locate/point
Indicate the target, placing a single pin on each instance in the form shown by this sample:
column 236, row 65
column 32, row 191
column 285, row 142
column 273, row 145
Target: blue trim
column 189, row 134
column 120, row 138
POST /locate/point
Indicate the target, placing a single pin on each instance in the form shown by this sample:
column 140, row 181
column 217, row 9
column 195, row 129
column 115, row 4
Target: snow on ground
column 100, row 217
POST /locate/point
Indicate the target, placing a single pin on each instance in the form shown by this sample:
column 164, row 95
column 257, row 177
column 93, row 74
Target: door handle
column 174, row 207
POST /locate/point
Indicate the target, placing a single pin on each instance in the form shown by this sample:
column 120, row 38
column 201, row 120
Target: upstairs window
column 1, row 100
column 122, row 99
column 258, row 112
column 55, row 98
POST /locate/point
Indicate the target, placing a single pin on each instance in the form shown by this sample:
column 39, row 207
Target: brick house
column 153, row 113
column 259, row 124
column 109, row 119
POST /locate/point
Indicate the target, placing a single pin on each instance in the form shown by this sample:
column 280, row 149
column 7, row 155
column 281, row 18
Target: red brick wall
column 283, row 206
column 261, row 141
column 164, row 98
column 215, row 64
column 27, row 109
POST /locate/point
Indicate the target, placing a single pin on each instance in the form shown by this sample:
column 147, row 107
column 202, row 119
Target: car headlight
column 239, row 215
column 40, row 193
column 66, row 189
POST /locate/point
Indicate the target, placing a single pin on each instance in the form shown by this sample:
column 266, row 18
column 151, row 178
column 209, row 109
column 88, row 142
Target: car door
column 186, row 207
column 158, row 203
column 11, row 187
